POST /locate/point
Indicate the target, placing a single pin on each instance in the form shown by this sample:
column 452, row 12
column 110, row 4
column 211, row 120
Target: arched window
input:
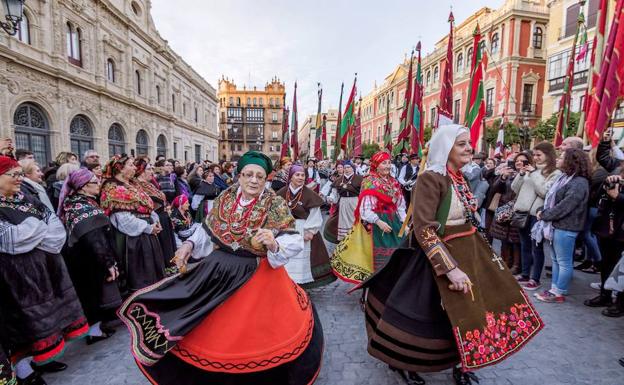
column 158, row 97
column 495, row 43
column 460, row 62
column 469, row 58
column 23, row 30
column 161, row 145
column 110, row 70
column 32, row 131
column 73, row 36
column 277, row 103
column 116, row 140
column 271, row 102
column 80, row 135
column 428, row 82
column 142, row 143
column 261, row 102
column 248, row 102
column 137, row 81
column 238, row 102
column 538, row 38
column 482, row 47
column 436, row 74
column 255, row 102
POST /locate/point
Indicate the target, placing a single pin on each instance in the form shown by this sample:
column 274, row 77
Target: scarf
column 152, row 190
column 118, row 196
column 387, row 191
column 81, row 215
column 549, row 202
column 440, row 146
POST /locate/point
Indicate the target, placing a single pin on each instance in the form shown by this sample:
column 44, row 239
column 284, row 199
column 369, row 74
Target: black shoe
column 599, row 301
column 50, row 367
column 410, row 378
column 33, row 379
column 466, row 378
column 548, row 268
column 621, row 361
column 614, row 311
column 583, row 265
column 105, row 335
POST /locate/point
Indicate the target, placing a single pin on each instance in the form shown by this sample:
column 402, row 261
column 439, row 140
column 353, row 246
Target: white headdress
column 440, row 146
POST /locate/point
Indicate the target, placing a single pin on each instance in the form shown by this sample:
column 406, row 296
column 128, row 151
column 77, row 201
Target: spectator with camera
column 531, row 186
column 608, row 227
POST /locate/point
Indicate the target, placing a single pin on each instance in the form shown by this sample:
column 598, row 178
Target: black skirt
column 141, row 262
column 166, row 237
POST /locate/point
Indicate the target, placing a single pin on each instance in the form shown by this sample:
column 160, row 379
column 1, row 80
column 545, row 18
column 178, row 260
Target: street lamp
column 14, row 11
column 234, row 130
column 525, row 133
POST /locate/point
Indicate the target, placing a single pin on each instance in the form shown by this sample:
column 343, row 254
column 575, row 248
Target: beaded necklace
column 465, row 196
column 238, row 223
column 292, row 203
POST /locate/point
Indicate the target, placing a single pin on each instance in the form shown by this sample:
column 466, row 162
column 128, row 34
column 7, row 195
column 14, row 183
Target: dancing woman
column 310, row 268
column 235, row 317
column 447, row 299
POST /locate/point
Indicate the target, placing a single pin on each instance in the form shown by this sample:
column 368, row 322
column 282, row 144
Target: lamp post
column 14, row 12
column 233, row 129
column 525, row 133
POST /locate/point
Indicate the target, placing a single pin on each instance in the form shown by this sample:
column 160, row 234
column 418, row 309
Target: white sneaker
column 595, row 285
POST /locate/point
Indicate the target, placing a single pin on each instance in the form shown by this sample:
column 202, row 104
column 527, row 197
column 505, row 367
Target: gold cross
column 498, row 260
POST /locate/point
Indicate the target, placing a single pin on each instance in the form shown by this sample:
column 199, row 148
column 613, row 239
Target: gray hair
column 88, row 153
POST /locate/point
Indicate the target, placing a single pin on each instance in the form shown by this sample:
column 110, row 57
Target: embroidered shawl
column 387, row 191
column 117, row 196
column 153, row 191
column 81, row 215
column 19, row 207
column 233, row 228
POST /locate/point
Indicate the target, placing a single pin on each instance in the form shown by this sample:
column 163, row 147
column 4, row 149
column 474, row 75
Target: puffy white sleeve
column 326, row 189
column 366, row 209
column 197, row 199
column 202, row 244
column 129, row 224
column 54, row 236
column 401, row 208
column 401, row 177
column 22, row 238
column 333, row 197
column 289, row 246
column 314, row 222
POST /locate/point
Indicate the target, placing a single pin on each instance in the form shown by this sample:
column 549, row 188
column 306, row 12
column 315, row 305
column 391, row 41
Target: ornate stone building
column 84, row 74
column 307, row 133
column 250, row 119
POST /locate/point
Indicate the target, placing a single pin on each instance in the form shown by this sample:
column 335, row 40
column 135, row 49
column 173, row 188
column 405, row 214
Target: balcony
column 235, row 136
column 528, row 109
column 557, row 84
column 255, row 138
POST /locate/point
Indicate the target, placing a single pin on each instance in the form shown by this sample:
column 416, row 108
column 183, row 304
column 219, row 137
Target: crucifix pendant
column 498, row 260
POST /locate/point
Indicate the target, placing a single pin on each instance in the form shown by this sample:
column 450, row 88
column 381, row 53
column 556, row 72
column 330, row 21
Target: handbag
column 519, row 219
column 494, row 202
column 504, row 213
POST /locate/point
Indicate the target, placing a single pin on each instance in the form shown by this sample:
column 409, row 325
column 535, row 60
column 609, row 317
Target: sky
column 308, row 41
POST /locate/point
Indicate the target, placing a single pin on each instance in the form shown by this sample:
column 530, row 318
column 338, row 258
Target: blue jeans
column 561, row 250
column 532, row 253
column 591, row 242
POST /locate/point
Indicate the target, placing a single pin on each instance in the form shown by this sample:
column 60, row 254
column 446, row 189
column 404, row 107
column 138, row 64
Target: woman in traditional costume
column 183, row 225
column 381, row 210
column 310, row 268
column 344, row 193
column 89, row 254
column 235, row 317
column 40, row 308
column 280, row 178
column 136, row 226
column 204, row 196
column 144, row 178
column 448, row 299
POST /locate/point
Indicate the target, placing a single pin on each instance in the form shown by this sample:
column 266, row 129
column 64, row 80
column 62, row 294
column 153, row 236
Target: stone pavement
column 577, row 346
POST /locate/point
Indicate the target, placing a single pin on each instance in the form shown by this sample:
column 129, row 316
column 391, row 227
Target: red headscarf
column 378, row 158
column 7, row 163
column 178, row 201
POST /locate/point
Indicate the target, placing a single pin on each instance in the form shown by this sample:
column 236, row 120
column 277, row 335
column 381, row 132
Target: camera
column 611, row 185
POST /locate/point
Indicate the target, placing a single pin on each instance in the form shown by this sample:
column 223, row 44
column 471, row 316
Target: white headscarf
column 440, row 146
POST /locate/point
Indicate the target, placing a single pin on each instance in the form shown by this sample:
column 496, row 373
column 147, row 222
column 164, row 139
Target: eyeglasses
column 93, row 182
column 249, row 175
column 15, row 175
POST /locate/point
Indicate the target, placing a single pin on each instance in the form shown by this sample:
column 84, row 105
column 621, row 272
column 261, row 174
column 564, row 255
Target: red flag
column 318, row 151
column 348, row 119
column 416, row 142
column 357, row 137
column 446, row 90
column 475, row 108
column 295, row 127
column 405, row 124
column 610, row 85
column 285, row 137
column 337, row 139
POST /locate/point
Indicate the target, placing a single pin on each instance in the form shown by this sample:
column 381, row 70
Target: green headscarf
column 255, row 157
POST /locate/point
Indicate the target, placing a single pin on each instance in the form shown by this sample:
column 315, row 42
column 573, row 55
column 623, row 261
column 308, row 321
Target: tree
column 545, row 129
column 428, row 132
column 368, row 150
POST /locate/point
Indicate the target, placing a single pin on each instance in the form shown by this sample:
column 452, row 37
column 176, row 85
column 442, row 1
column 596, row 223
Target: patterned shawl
column 81, row 215
column 387, row 191
column 152, row 191
column 234, row 229
column 118, row 196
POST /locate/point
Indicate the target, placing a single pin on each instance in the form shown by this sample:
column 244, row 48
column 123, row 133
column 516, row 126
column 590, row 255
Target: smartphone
column 525, row 162
column 510, row 163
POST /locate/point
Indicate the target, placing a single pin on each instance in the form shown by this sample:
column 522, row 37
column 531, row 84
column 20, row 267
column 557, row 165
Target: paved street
column 578, row 346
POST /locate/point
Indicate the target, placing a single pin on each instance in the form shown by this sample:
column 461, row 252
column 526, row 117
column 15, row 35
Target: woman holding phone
column 531, row 186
